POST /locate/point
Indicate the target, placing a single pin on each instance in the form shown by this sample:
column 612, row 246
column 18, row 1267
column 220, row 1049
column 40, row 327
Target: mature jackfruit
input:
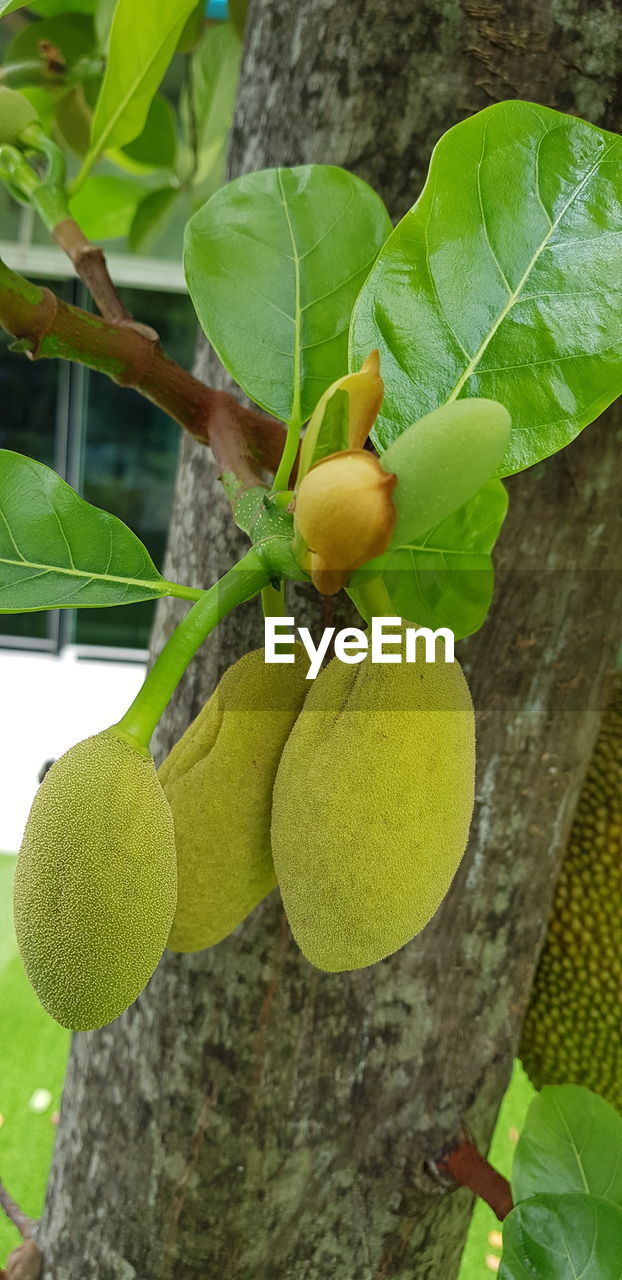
column 372, row 805
column 573, row 1029
column 16, row 114
column 218, row 780
column 95, row 884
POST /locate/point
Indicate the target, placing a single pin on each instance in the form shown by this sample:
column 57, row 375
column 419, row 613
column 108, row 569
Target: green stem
column 273, row 601
column 245, row 580
column 372, row 598
column 288, row 457
column 87, row 164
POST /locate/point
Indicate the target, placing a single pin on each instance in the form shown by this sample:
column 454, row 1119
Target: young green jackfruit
column 95, row 884
column 16, row 114
column 372, row 805
column 218, row 780
column 573, row 1031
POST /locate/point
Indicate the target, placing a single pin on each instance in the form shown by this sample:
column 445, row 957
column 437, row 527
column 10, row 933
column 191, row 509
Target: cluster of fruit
column 355, row 793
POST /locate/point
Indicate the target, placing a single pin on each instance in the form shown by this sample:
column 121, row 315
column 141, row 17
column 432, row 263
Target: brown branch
column 90, row 263
column 465, row 1166
column 25, row 1225
column 245, row 443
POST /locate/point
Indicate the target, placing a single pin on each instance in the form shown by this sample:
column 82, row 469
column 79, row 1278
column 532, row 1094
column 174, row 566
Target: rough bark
column 251, row 1118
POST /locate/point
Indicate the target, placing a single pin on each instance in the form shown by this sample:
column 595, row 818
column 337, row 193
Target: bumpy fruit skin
column 372, row 805
column 573, row 1029
column 218, row 780
column 16, row 114
column 95, row 884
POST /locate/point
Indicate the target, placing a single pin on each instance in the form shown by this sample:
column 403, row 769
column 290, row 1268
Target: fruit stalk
column 245, row 580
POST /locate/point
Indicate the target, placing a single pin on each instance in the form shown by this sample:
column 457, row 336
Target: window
column 118, row 450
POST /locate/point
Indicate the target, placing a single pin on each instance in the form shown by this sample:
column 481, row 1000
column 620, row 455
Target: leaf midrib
column 514, row 296
column 159, row 585
column 99, row 144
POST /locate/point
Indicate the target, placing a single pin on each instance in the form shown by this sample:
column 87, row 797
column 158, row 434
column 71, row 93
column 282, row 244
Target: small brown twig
column 464, row 1166
column 25, row 1262
column 90, row 263
column 25, row 1225
column 245, row 443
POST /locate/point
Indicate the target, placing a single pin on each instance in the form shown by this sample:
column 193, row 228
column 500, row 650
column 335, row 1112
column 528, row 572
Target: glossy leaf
column 566, row 1237
column 274, row 262
column 505, row 280
column 105, row 206
column 151, row 216
column 571, row 1141
column 446, row 578
column 59, row 552
column 207, row 106
column 143, row 38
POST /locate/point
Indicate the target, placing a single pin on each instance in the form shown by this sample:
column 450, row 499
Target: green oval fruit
column 218, row 781
column 572, row 1031
column 16, row 114
column 95, row 884
column 372, row 805
column 442, row 460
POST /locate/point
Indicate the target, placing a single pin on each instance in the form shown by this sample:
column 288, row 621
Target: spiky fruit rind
column 573, row 1028
column 218, row 780
column 16, row 114
column 95, row 883
column 372, row 805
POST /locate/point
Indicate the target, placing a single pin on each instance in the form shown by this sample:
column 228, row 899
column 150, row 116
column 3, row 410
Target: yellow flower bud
column 365, row 391
column 345, row 515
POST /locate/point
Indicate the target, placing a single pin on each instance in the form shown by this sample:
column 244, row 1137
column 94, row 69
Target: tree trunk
column 251, row 1118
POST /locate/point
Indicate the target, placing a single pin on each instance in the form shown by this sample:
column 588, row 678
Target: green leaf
column 104, row 14
column 105, row 206
column 207, row 105
column 72, row 34
column 274, row 262
column 571, row 1141
column 143, row 39
column 446, row 579
column 505, row 280
column 9, row 6
column 49, row 8
column 59, row 552
column 155, row 147
column 151, row 216
column 568, row 1237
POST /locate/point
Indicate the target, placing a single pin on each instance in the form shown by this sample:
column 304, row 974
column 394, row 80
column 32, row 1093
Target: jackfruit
column 218, row 780
column 16, row 114
column 345, row 515
column 372, row 804
column 572, row 1033
column 95, row 883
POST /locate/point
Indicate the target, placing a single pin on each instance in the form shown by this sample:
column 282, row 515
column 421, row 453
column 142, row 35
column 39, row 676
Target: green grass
column 34, row 1055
